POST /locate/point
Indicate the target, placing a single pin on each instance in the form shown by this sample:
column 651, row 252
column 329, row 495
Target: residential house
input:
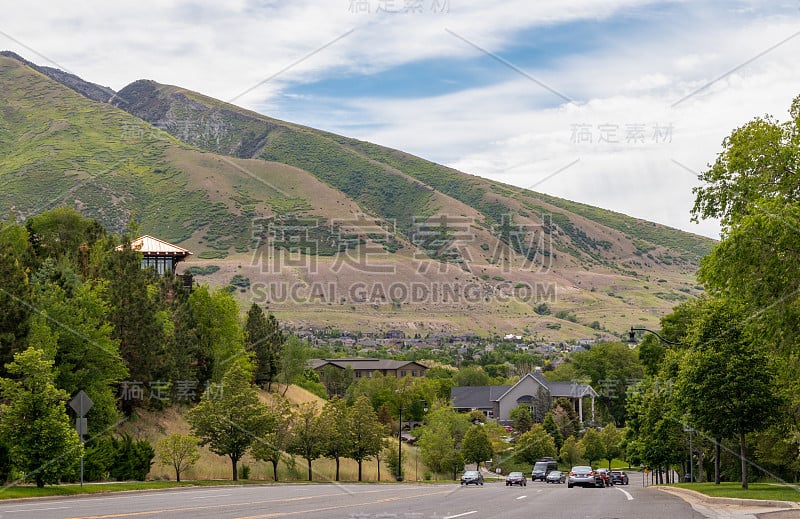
column 532, row 389
column 366, row 367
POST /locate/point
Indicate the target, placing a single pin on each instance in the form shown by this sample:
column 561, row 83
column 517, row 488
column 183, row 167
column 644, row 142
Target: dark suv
column 619, row 477
column 542, row 468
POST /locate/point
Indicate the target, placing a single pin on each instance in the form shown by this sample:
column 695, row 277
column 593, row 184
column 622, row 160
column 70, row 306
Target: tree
column 335, row 422
column 592, row 446
column 440, row 440
column 42, row 442
column 86, row 355
column 726, row 382
column 364, row 433
column 293, row 361
column 471, row 376
column 132, row 314
column 15, row 297
column 549, row 424
column 263, row 336
column 535, row 444
column 178, row 450
column 571, row 452
column 216, row 318
column 522, row 418
column 271, row 446
column 229, row 417
column 308, row 435
column 476, row 446
column 611, row 437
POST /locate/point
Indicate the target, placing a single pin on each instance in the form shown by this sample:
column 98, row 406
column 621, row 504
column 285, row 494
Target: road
column 364, row 501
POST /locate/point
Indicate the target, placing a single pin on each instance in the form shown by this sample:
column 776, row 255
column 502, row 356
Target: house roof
column 365, row 364
column 153, row 246
column 475, row 397
column 482, row 397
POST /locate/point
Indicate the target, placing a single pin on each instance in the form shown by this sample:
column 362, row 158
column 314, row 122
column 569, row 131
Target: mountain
column 329, row 230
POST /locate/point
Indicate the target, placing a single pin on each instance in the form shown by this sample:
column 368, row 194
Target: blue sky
column 576, row 99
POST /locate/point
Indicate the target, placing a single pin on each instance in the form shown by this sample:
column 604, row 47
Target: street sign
column 82, row 426
column 81, row 403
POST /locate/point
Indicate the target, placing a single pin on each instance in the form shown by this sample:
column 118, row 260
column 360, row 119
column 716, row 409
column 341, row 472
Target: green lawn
column 19, row 491
column 768, row 491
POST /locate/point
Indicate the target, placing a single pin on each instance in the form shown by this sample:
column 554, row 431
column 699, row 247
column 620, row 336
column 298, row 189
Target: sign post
column 81, row 404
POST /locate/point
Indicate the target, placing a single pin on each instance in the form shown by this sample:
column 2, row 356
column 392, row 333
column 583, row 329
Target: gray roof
column 476, row 396
column 364, row 364
column 482, row 397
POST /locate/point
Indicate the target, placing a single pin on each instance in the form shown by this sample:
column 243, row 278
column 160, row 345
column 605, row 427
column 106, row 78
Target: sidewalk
column 734, row 508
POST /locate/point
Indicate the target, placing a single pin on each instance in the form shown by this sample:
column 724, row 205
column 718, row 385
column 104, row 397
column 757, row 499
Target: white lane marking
column 208, row 497
column 461, row 515
column 627, row 494
column 36, row 509
column 522, row 497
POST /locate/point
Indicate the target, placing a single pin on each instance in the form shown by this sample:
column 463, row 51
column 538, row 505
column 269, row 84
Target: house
column 158, row 254
column 532, row 389
column 366, row 367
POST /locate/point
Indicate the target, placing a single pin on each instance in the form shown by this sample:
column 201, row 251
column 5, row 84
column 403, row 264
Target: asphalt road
column 365, row 501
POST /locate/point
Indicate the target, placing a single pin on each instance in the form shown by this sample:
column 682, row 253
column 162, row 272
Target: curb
column 683, row 492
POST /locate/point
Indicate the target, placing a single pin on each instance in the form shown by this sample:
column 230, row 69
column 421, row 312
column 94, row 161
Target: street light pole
column 400, row 447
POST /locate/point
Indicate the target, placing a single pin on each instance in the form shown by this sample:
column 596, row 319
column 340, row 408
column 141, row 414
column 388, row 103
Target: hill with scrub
column 327, row 230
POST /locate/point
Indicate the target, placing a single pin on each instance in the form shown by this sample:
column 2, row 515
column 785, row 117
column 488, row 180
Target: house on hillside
column 533, row 389
column 160, row 255
column 366, row 367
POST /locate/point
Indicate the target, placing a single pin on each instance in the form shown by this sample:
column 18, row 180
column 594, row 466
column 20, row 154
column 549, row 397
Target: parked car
column 584, row 476
column 619, row 477
column 542, row 468
column 606, row 475
column 556, row 476
column 472, row 477
column 516, row 478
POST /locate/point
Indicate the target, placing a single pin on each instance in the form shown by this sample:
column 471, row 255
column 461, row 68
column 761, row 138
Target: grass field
column 764, row 491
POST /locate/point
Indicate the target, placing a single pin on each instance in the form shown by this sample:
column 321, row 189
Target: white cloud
column 513, row 129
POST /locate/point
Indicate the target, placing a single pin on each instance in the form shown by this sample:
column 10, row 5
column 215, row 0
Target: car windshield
column 555, row 473
column 471, row 473
column 515, row 475
column 581, row 468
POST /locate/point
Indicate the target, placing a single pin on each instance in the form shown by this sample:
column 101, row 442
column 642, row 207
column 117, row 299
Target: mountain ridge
column 219, row 179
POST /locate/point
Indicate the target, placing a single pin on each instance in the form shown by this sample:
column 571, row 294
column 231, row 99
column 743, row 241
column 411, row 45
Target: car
column 619, row 477
column 516, row 478
column 556, row 476
column 472, row 477
column 542, row 468
column 584, row 476
column 606, row 475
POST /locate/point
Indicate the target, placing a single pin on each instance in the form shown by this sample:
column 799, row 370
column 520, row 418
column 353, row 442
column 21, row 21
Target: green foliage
column 271, row 446
column 611, row 437
column 228, row 418
column 549, row 424
column 179, row 451
column 476, row 446
column 133, row 459
column 42, row 442
column 592, row 446
column 308, row 435
column 205, row 270
column 263, row 337
column 522, row 418
column 220, row 339
column 571, row 452
column 440, row 441
column 471, row 376
column 364, row 434
column 536, row 443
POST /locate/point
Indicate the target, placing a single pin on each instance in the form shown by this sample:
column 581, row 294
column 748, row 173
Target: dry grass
column 154, row 425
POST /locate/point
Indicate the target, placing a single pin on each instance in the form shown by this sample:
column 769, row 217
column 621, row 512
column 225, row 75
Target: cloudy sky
column 614, row 103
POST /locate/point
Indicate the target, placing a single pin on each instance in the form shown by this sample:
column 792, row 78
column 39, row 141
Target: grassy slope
column 156, row 425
